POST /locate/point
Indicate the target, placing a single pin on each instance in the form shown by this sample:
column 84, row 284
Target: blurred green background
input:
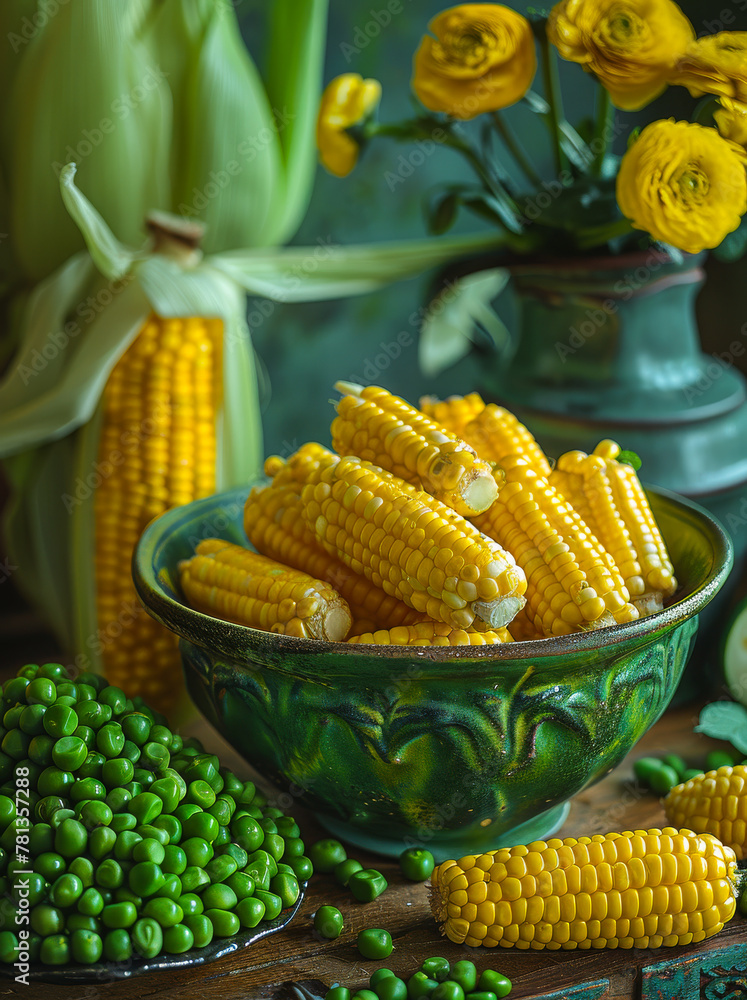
column 305, row 348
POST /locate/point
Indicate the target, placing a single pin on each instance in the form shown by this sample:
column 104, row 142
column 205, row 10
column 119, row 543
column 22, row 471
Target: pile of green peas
column 662, row 774
column 435, row 978
column 120, row 840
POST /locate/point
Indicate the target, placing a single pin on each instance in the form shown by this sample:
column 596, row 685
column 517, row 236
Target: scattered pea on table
column 374, row 942
column 367, row 884
column 417, row 864
column 328, row 921
column 326, row 854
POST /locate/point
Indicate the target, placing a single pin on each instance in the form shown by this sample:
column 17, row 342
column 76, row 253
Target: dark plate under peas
column 103, row 972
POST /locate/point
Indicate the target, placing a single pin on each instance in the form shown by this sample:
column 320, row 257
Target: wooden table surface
column 296, row 953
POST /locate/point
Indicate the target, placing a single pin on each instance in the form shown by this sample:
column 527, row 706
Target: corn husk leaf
column 154, row 100
column 89, row 87
column 295, row 63
column 223, row 108
column 244, row 150
column 306, row 274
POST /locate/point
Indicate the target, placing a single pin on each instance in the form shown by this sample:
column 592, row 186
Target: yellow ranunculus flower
column 348, row 100
column 715, row 64
column 732, row 120
column 683, row 184
column 483, row 58
column 631, row 46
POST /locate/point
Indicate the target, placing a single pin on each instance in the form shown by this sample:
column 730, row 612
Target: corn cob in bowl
column 464, row 744
column 406, row 553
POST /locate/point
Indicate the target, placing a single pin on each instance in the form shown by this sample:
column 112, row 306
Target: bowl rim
column 200, row 629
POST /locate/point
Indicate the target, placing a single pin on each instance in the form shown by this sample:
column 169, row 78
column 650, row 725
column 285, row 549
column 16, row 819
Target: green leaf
column 501, row 207
column 633, row 137
column 733, row 247
column 586, row 128
column 705, row 109
column 630, row 458
column 674, row 252
column 578, row 153
column 450, row 325
column 725, row 720
column 442, row 212
column 78, row 95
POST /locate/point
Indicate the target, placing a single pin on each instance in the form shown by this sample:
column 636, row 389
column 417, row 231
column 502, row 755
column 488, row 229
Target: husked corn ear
column 412, row 546
column 383, row 429
column 233, row 583
column 571, row 582
column 361, row 626
column 454, row 413
column 522, row 628
column 633, row 507
column 296, row 468
column 431, row 634
column 275, row 525
column 158, row 437
column 595, row 484
column 715, row 802
column 638, row 889
column 496, row 433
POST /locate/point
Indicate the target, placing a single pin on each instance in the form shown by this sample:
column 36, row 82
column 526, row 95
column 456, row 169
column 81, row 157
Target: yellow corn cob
column 609, row 496
column 233, row 583
column 431, row 634
column 454, row 413
column 523, row 629
column 158, row 438
column 639, row 889
column 296, row 468
column 496, row 433
column 360, row 626
column 715, row 802
column 275, row 525
column 383, row 429
column 412, row 546
column 633, row 507
column 571, row 582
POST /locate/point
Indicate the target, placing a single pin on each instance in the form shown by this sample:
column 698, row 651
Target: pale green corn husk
column 246, row 172
column 89, row 88
column 153, row 100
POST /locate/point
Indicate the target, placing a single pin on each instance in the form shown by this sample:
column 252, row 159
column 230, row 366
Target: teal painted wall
column 305, row 348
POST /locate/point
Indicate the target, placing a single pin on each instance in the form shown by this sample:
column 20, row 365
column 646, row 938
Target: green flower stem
column 605, row 117
column 596, row 236
column 554, row 99
column 425, row 127
column 515, row 149
column 419, row 128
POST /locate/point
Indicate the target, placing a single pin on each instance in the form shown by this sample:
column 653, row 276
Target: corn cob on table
column 299, row 955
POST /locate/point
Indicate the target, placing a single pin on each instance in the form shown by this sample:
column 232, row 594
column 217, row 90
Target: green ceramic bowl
column 460, row 749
